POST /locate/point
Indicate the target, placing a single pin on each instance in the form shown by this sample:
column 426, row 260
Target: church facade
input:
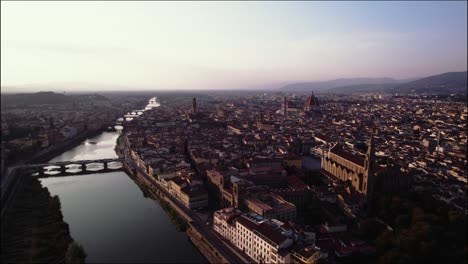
column 357, row 169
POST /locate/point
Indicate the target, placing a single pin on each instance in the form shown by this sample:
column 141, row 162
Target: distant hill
column 446, row 83
column 362, row 88
column 326, row 85
column 45, row 98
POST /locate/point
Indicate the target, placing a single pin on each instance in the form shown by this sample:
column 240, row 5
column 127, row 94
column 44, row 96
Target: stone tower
column 284, row 106
column 369, row 164
column 194, row 105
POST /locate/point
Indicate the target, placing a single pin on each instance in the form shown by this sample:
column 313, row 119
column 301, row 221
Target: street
column 198, row 221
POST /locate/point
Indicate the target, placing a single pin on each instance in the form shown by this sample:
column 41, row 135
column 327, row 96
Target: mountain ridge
column 46, row 98
column 445, row 83
column 325, row 85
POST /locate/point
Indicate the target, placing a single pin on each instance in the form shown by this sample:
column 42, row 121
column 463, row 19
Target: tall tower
column 370, row 179
column 369, row 167
column 308, row 102
column 315, row 103
column 194, row 105
column 284, row 106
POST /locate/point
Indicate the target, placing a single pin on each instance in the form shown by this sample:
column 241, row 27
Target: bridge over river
column 65, row 166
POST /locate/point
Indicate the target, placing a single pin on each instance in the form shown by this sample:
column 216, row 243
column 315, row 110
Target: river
column 111, row 218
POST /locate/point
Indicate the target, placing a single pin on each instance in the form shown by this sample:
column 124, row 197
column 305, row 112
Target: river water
column 111, row 218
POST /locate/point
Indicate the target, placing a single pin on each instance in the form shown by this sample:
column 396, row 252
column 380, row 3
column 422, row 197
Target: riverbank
column 9, row 177
column 199, row 234
column 65, row 146
column 33, row 230
column 180, row 224
column 174, row 216
column 32, row 221
column 207, row 249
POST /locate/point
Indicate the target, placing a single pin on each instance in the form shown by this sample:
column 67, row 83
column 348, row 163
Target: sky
column 225, row 45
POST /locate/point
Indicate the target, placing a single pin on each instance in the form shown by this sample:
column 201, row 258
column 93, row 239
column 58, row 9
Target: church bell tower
column 194, row 105
column 369, row 165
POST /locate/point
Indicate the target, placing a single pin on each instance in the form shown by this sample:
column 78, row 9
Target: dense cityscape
column 270, row 177
column 301, row 132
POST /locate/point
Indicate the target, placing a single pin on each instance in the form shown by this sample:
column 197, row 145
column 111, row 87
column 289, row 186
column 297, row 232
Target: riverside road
column 232, row 255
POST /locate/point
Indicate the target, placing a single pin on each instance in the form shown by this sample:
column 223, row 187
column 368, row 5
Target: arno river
column 111, row 218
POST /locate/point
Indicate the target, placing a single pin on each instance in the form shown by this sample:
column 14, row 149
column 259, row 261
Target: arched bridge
column 40, row 168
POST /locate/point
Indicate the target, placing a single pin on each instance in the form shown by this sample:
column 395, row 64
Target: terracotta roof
column 322, row 137
column 354, row 158
column 264, row 230
column 178, row 180
column 304, row 251
column 295, row 182
column 194, row 192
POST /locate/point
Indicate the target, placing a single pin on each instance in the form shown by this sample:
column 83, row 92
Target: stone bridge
column 63, row 165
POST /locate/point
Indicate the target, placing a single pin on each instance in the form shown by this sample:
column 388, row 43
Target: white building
column 263, row 240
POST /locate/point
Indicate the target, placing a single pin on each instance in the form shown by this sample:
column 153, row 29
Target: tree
column 75, row 254
column 54, row 204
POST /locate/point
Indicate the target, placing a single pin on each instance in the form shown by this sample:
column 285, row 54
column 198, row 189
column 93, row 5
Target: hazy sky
column 224, row 45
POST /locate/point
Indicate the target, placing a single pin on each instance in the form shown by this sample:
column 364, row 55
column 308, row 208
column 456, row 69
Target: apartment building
column 265, row 241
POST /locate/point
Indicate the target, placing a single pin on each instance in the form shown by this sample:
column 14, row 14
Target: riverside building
column 265, row 241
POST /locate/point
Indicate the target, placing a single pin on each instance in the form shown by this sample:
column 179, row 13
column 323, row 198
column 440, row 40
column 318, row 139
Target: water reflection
column 115, row 223
column 109, row 215
column 129, row 116
column 101, row 148
column 153, row 102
